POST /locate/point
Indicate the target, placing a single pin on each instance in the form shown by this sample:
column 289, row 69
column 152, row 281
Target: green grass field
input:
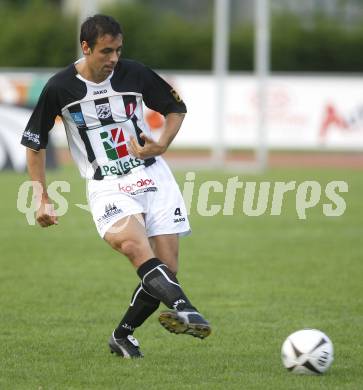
column 257, row 279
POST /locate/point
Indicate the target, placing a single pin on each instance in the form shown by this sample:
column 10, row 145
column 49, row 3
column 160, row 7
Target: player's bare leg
column 128, row 236
column 166, row 248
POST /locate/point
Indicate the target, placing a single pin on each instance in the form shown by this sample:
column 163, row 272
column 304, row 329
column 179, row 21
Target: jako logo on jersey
column 99, row 92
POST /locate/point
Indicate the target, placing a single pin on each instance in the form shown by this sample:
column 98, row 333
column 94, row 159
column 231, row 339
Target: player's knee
column 131, row 248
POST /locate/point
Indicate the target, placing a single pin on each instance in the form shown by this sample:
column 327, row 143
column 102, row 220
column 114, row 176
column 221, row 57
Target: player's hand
column 46, row 215
column 151, row 148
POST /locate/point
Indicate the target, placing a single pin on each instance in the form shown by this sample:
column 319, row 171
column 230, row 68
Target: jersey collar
column 91, row 82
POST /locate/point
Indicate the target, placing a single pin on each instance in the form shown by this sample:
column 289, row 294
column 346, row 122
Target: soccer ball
column 307, row 351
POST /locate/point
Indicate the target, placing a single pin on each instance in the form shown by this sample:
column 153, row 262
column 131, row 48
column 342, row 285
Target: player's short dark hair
column 97, row 26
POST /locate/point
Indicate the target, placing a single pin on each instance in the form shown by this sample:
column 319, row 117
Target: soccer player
column 135, row 202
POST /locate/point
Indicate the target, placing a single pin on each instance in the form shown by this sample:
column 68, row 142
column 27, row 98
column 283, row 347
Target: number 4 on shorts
column 177, row 211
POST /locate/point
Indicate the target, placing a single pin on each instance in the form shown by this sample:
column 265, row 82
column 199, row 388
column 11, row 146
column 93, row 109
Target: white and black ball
column 307, row 351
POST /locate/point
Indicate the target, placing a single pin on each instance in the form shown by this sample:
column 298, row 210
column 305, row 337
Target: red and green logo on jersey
column 114, row 143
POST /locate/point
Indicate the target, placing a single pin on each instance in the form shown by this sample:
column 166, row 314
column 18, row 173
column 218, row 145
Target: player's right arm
column 35, row 138
column 45, row 214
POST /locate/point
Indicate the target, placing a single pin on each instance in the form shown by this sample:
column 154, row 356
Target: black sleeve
column 159, row 95
column 35, row 135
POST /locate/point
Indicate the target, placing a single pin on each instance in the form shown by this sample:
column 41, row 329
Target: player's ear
column 86, row 50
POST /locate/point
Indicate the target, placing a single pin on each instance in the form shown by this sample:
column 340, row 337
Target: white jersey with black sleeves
column 100, row 118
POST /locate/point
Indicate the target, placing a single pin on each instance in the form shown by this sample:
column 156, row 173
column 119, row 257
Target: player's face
column 104, row 56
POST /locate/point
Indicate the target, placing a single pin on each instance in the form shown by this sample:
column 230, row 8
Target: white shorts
column 151, row 191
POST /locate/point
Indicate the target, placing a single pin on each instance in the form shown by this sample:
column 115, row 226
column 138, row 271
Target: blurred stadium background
column 297, row 115
column 312, row 96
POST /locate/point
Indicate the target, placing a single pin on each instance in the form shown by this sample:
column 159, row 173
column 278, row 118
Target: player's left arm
column 152, row 148
column 35, row 138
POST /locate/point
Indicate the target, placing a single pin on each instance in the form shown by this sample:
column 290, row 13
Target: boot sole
column 172, row 323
